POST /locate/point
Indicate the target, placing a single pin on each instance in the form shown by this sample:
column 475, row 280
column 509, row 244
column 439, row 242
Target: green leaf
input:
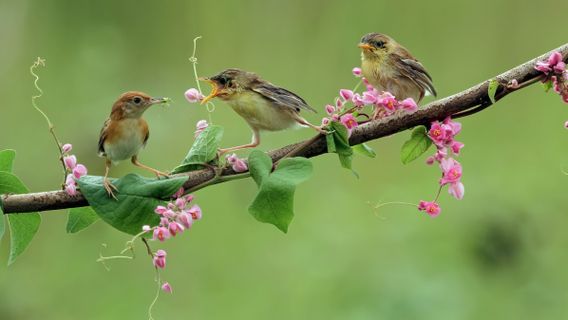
column 274, row 202
column 365, row 150
column 260, row 165
column 23, row 227
column 7, row 160
column 492, row 89
column 2, row 223
column 342, row 147
column 137, row 197
column 330, row 140
column 547, row 85
column 203, row 150
column 418, row 143
column 80, row 218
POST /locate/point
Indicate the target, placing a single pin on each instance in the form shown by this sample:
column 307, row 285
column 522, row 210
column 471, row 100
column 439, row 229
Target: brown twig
column 464, row 103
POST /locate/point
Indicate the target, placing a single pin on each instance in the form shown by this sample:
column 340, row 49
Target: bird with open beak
column 264, row 106
column 388, row 66
column 125, row 132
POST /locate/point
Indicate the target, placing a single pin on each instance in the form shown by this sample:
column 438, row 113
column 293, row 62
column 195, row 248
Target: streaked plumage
column 388, row 66
column 264, row 106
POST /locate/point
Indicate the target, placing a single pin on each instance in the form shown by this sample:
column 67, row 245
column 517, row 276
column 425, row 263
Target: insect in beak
column 159, row 100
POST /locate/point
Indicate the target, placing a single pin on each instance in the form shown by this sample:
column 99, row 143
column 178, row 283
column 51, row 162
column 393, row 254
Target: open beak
column 159, row 100
column 365, row 46
column 214, row 90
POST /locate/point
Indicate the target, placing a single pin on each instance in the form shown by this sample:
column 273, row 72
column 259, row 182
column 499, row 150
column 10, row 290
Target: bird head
column 376, row 45
column 132, row 104
column 228, row 82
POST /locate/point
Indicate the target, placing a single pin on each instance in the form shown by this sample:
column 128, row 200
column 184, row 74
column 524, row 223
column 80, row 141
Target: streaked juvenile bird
column 264, row 106
column 388, row 66
column 125, row 132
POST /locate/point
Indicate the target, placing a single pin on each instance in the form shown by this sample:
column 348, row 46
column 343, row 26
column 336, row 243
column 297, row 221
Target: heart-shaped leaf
column 418, row 143
column 203, row 150
column 7, row 160
column 260, row 166
column 137, row 197
column 80, row 218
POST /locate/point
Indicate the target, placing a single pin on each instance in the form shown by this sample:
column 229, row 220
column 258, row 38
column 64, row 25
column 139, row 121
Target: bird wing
column 282, row 97
column 103, row 136
column 414, row 70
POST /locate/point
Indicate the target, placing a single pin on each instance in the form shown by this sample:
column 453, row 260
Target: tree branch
column 464, row 103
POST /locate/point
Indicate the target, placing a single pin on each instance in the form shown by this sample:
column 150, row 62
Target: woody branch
column 464, row 103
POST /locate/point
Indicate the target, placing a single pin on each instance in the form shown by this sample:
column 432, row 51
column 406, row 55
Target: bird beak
column 159, row 100
column 365, row 46
column 214, row 92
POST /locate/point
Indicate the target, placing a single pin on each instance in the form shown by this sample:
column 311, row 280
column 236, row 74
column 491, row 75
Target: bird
column 264, row 106
column 125, row 132
column 388, row 66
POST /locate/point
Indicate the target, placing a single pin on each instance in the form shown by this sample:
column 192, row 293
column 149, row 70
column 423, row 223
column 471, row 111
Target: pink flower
column 566, row 124
column 430, row 160
column 66, row 147
column 440, row 154
column 543, row 67
column 178, row 193
column 180, row 203
column 146, row 228
column 71, row 189
column 237, row 164
column 369, row 97
column 325, row 122
column 437, row 133
column 356, row 72
column 188, row 198
column 388, row 101
column 554, row 58
column 161, row 233
column 160, row 259
column 357, row 100
column 335, row 117
column 452, row 171
column 160, row 210
column 349, row 121
column 559, row 67
column 166, row 287
column 200, row 126
column 175, row 228
column 514, row 84
column 195, row 212
column 454, row 127
column 456, row 189
column 192, row 95
column 329, row 109
column 70, row 162
column 185, row 219
column 338, row 104
column 456, row 146
column 79, row 171
column 431, row 208
column 346, row 94
column 409, row 105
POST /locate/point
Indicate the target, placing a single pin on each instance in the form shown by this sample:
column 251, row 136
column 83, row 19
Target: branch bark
column 464, row 103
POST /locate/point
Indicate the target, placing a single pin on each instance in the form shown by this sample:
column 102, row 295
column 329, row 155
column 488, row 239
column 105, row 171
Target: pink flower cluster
column 384, row 104
column 236, row 163
column 193, row 95
column 443, row 135
column 177, row 216
column 74, row 170
column 555, row 70
column 200, row 126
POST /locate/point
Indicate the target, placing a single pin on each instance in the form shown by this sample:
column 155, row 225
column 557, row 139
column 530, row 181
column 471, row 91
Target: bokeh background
column 500, row 253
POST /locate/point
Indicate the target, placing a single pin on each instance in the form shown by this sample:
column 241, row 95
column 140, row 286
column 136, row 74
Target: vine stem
column 193, row 59
column 41, row 62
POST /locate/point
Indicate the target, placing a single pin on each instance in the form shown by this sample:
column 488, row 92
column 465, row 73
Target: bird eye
column 223, row 80
column 379, row 44
column 137, row 100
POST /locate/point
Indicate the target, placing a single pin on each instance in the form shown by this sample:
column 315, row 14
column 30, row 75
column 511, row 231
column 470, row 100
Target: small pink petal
column 70, row 162
column 346, row 94
column 79, row 171
column 356, row 72
column 192, row 95
column 166, row 287
column 66, row 147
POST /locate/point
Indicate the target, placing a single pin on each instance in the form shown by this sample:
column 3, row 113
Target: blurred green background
column 499, row 253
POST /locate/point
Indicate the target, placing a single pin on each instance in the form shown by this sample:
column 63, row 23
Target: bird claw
column 109, row 187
